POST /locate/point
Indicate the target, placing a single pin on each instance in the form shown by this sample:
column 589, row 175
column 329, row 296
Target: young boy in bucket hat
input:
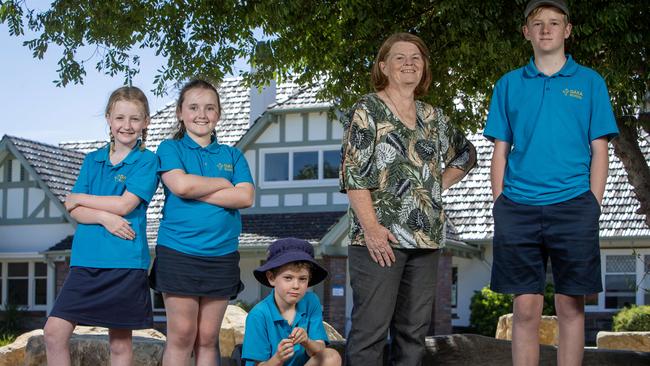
column 551, row 121
column 286, row 327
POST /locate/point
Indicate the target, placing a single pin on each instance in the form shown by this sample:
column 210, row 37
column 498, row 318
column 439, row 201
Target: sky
column 35, row 108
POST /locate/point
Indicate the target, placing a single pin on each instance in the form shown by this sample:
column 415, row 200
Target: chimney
column 261, row 98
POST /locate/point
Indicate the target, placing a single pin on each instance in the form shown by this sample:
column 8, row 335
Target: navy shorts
column 525, row 236
column 117, row 298
column 178, row 273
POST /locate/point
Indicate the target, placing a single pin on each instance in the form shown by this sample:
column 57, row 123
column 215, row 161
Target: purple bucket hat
column 287, row 250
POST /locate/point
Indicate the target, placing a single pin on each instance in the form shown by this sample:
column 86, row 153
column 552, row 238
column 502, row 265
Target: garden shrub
column 632, row 319
column 487, row 306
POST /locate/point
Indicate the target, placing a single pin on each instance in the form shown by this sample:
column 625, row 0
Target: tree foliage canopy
column 472, row 43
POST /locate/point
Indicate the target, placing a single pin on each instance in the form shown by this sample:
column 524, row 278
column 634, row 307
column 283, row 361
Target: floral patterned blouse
column 402, row 168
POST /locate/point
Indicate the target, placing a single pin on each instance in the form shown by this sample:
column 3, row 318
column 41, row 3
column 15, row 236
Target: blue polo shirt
column 265, row 328
column 550, row 122
column 194, row 227
column 93, row 246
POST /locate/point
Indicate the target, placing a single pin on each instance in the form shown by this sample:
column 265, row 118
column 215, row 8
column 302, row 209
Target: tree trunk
column 626, row 147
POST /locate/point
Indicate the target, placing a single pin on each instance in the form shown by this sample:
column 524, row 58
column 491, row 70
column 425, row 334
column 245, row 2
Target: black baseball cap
column 534, row 4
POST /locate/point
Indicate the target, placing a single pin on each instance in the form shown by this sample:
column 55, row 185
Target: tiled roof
column 469, row 203
column 262, row 229
column 303, row 98
column 57, row 167
column 83, row 146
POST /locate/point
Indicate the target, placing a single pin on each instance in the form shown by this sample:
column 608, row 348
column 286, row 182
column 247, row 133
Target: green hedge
column 632, row 319
column 487, row 306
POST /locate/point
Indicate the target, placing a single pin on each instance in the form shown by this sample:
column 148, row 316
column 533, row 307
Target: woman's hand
column 117, row 225
column 377, row 238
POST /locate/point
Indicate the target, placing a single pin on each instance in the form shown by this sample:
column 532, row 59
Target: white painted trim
column 320, row 182
column 639, row 275
column 31, row 282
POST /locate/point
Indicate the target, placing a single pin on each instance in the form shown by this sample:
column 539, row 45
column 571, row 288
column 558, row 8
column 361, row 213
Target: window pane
column 620, row 264
column 40, row 269
column 620, row 290
column 40, row 297
column 305, row 165
column 17, row 291
column 276, row 167
column 18, row 269
column 331, row 161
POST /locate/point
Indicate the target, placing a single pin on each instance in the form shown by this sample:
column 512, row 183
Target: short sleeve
column 241, row 171
column 497, row 125
column 358, row 170
column 316, row 331
column 169, row 156
column 457, row 151
column 256, row 347
column 144, row 180
column 82, row 185
column 602, row 121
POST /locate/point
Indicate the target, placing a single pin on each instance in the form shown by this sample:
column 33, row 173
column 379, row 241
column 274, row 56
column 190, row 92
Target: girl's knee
column 207, row 338
column 55, row 335
column 182, row 337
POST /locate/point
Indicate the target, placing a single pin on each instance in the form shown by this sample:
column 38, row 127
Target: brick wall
column 334, row 306
column 441, row 312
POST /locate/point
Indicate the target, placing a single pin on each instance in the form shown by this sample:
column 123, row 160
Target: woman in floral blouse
column 399, row 155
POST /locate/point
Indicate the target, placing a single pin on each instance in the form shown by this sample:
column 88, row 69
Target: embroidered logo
column 224, row 166
column 572, row 93
column 120, row 178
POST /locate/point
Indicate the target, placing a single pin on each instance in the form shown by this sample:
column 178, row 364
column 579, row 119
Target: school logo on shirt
column 226, row 167
column 572, row 93
column 120, row 178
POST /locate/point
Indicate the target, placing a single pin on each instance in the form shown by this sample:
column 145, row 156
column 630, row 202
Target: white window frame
column 31, row 284
column 639, row 275
column 290, row 183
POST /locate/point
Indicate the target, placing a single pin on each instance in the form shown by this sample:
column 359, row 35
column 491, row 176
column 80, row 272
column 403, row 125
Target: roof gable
column 54, row 169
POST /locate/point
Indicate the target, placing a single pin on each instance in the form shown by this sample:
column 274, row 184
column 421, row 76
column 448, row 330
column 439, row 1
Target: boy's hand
column 299, row 336
column 285, row 350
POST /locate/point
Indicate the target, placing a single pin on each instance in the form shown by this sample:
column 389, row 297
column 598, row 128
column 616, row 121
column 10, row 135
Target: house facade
column 291, row 141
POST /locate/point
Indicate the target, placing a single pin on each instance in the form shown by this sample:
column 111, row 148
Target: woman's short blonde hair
column 380, row 81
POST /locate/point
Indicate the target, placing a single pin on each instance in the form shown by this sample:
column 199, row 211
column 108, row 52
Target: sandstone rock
column 633, row 341
column 549, row 332
column 232, row 329
column 13, row 354
column 471, row 349
column 89, row 346
column 332, row 334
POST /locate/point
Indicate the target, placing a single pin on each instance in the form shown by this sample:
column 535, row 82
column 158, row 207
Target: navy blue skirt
column 178, row 273
column 116, row 298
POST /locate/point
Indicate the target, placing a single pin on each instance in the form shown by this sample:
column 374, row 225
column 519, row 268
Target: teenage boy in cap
column 286, row 328
column 551, row 121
